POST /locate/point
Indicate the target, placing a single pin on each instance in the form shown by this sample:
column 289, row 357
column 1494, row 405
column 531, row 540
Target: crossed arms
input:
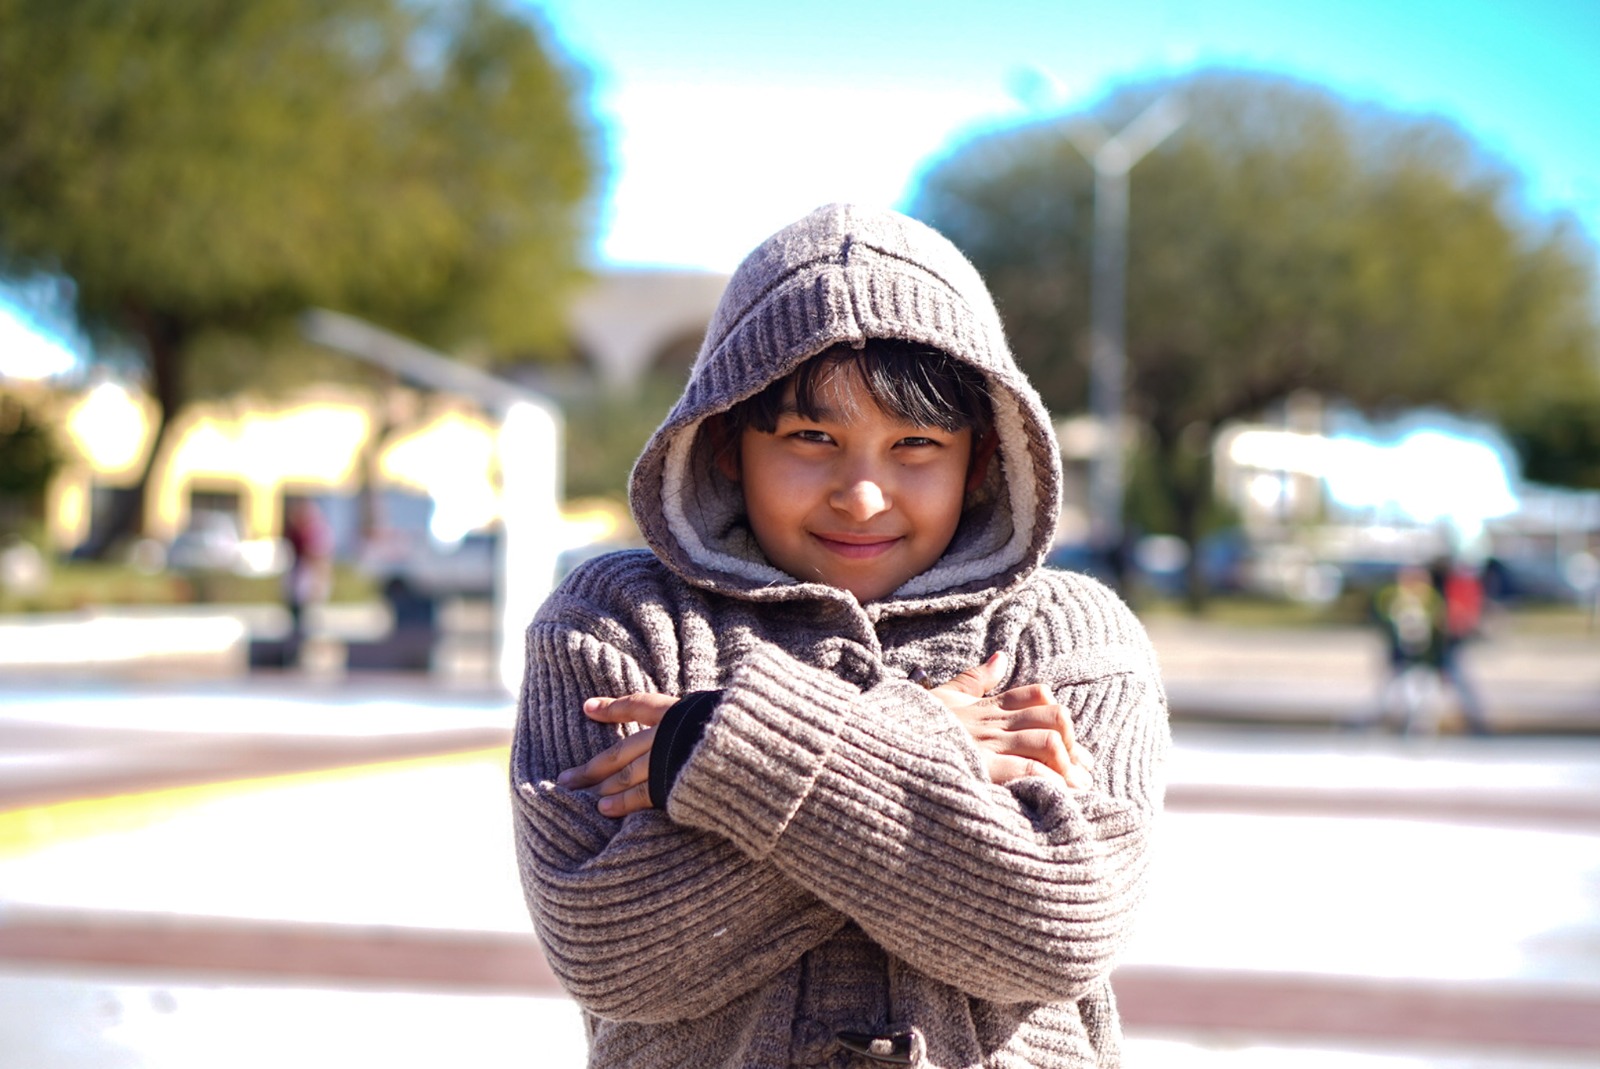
column 947, row 825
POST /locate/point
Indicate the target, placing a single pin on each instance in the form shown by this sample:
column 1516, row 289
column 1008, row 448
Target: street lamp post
column 1112, row 157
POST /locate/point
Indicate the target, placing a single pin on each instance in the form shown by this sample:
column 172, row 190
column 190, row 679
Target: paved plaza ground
column 315, row 871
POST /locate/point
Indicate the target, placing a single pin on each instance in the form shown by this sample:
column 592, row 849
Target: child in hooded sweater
column 835, row 773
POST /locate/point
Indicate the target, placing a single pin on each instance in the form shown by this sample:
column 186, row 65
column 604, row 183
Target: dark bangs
column 915, row 383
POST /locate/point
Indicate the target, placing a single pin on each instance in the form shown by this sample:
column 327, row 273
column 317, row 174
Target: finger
column 1064, row 725
column 607, row 762
column 1080, row 756
column 646, row 709
column 1079, row 778
column 1006, row 768
column 1040, row 744
column 983, row 678
column 629, row 775
column 630, row 801
column 1023, row 697
column 1046, row 716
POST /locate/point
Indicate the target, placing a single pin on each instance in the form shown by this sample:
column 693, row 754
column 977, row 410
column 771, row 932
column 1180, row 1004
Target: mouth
column 857, row 546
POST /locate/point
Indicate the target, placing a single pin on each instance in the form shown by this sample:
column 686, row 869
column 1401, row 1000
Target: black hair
column 916, row 383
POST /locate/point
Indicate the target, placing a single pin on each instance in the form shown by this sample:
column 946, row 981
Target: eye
column 810, row 434
column 916, row 441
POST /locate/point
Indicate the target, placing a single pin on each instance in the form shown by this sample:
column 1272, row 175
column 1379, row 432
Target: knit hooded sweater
column 832, row 863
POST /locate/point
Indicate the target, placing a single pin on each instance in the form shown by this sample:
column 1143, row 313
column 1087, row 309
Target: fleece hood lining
column 675, row 491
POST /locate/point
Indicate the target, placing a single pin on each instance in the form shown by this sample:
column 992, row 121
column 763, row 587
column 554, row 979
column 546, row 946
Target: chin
column 865, row 594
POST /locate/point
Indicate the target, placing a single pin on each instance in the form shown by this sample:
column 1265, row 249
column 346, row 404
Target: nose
column 860, row 496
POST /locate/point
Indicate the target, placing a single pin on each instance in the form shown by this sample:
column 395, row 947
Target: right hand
column 1021, row 731
column 621, row 773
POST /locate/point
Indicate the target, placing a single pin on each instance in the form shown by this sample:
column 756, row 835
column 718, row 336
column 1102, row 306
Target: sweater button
column 890, row 1048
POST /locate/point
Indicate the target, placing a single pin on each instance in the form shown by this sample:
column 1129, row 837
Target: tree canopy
column 1284, row 238
column 206, row 168
column 28, row 454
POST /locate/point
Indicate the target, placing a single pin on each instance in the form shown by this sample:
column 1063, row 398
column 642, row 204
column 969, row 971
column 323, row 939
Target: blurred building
column 245, row 458
column 413, row 458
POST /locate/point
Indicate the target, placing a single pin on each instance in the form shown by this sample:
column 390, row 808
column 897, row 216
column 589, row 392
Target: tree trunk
column 164, row 337
column 1195, row 591
column 1185, row 475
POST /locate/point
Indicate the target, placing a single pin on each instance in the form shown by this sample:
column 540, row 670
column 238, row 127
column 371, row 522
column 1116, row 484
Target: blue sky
column 723, row 121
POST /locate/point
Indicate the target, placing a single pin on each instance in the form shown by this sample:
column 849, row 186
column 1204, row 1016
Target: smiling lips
column 857, row 547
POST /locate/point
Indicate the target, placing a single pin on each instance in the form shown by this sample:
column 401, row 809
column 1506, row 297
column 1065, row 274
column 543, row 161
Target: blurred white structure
column 531, row 528
column 1314, row 492
column 527, row 448
column 626, row 319
column 1427, row 469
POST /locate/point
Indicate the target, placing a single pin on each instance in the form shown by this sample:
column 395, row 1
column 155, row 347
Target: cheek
column 774, row 495
column 759, row 503
column 944, row 482
column 773, row 476
column 939, row 492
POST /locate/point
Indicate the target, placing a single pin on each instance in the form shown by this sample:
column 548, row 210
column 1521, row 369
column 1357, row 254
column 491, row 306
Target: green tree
column 201, row 170
column 1559, row 440
column 1284, row 239
column 29, row 456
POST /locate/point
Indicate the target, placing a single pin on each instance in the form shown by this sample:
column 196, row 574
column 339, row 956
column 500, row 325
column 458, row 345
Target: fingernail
column 591, row 704
column 564, row 779
column 607, row 804
column 1000, row 660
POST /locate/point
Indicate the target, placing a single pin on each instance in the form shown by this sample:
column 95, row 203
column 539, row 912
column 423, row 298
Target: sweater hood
column 848, row 275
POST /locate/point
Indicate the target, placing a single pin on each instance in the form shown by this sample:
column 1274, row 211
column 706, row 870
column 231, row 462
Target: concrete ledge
column 1234, row 1003
column 1310, row 1006
column 402, row 958
column 1565, row 810
column 1322, row 676
column 195, row 645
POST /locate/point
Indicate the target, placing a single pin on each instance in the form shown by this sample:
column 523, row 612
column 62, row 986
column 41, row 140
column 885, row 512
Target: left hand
column 621, row 772
column 1020, row 732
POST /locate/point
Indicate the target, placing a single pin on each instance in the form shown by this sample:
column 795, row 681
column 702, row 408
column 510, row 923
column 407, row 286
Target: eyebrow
column 825, row 414
column 820, row 413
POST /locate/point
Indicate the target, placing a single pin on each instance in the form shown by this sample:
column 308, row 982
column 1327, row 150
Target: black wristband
column 677, row 735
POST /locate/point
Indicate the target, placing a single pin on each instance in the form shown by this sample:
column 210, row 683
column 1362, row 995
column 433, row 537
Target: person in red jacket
column 310, row 571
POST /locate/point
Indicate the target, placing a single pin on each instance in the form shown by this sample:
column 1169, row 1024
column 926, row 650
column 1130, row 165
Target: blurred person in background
column 310, row 573
column 1460, row 587
column 1409, row 610
column 1425, row 615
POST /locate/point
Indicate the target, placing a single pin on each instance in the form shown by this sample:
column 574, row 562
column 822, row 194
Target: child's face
column 857, row 499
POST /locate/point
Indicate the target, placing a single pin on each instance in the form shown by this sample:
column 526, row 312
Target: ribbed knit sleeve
column 876, row 799
column 641, row 919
